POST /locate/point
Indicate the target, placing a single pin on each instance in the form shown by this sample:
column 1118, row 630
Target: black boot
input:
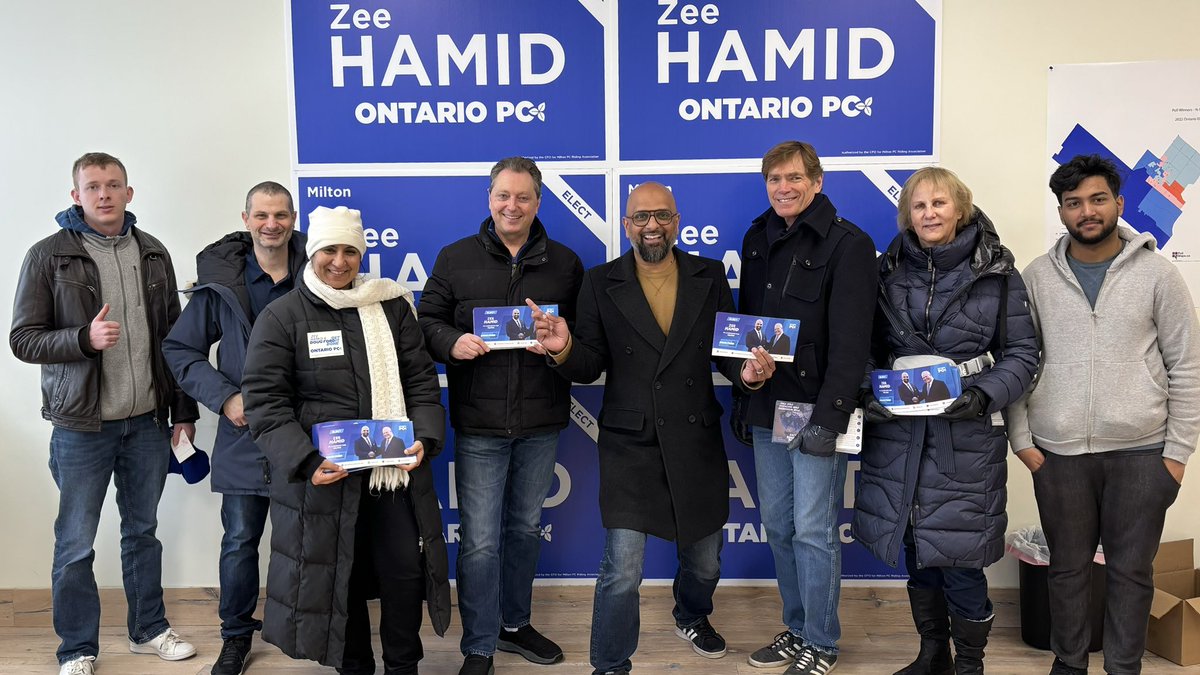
column 970, row 637
column 932, row 619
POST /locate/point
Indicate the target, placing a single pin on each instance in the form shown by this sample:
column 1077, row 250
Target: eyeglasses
column 641, row 218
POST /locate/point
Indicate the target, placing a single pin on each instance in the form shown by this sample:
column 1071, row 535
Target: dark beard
column 1105, row 233
column 653, row 254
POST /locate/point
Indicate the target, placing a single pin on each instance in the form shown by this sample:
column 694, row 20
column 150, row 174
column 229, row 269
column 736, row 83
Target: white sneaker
column 80, row 666
column 168, row 646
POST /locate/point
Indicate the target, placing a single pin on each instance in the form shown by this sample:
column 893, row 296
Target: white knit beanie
column 339, row 225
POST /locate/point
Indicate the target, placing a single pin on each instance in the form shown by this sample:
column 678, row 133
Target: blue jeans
column 501, row 483
column 799, row 497
column 243, row 517
column 616, row 616
column 134, row 453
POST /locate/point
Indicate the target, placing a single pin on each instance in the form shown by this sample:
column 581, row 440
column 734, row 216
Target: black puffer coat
column 312, row 539
column 948, row 477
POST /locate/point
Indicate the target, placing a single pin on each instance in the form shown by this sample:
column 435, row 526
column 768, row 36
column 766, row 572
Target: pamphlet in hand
column 508, row 327
column 791, row 417
column 924, row 390
column 736, row 334
column 362, row 444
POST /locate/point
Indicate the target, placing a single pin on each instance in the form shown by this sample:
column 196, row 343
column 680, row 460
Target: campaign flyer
column 925, row 390
column 736, row 334
column 363, row 444
column 508, row 327
column 791, row 417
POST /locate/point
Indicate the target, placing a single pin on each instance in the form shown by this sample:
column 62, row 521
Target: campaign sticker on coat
column 363, row 444
column 728, row 79
column 407, row 220
column 325, row 343
column 925, row 390
column 716, row 209
column 402, row 81
column 507, row 327
column 734, row 335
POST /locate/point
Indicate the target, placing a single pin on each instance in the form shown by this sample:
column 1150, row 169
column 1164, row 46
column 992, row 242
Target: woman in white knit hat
column 344, row 347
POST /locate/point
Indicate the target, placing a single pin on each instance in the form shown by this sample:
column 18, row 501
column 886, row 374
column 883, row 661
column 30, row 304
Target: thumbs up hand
column 103, row 334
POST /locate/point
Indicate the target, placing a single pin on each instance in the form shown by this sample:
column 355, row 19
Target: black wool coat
column 286, row 392
column 663, row 468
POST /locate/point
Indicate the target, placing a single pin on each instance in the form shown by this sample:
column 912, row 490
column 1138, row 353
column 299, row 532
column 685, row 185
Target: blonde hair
column 940, row 178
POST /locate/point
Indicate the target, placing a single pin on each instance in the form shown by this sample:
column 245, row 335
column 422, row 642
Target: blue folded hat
column 193, row 469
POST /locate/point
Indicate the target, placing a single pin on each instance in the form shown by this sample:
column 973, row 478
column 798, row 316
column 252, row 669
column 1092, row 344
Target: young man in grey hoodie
column 1114, row 413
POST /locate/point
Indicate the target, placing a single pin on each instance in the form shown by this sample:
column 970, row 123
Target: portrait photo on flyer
column 363, row 444
column 735, row 335
column 924, row 390
column 507, row 327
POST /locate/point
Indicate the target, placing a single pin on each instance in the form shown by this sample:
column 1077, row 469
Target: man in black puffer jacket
column 507, row 408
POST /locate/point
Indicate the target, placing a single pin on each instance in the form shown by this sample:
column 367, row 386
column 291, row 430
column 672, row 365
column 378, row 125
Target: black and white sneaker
column 812, row 662
column 235, row 656
column 705, row 639
column 781, row 652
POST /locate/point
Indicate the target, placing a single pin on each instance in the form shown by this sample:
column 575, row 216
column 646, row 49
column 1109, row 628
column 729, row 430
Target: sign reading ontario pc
column 386, row 81
column 729, row 79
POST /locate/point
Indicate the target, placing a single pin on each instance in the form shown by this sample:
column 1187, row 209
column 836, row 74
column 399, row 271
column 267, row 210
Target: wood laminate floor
column 877, row 636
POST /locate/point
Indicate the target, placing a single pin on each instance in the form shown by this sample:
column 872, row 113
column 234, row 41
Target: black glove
column 737, row 419
column 971, row 404
column 814, row 440
column 873, row 411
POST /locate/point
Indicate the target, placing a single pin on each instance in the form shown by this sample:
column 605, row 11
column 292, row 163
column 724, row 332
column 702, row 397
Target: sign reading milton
column 390, row 81
column 727, row 79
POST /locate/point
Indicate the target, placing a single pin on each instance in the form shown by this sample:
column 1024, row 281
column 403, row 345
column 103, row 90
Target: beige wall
column 195, row 103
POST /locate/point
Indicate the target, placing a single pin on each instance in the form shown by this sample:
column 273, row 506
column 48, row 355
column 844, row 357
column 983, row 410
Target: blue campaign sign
column 409, row 219
column 391, row 81
column 573, row 535
column 717, row 208
column 727, row 79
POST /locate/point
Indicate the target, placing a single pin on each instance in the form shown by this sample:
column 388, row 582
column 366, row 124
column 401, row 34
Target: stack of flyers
column 507, row 327
column 791, row 417
column 736, row 334
column 362, row 444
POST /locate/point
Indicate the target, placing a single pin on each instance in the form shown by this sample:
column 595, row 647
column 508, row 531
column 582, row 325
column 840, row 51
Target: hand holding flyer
column 361, row 444
column 923, row 390
column 738, row 334
column 508, row 327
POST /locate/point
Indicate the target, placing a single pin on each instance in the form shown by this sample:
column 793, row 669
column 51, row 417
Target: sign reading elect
column 729, row 79
column 391, row 81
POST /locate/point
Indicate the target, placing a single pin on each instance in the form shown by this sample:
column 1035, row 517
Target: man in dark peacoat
column 647, row 320
column 933, row 389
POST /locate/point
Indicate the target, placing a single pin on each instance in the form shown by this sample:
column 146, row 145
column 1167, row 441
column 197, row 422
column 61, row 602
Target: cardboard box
column 1174, row 631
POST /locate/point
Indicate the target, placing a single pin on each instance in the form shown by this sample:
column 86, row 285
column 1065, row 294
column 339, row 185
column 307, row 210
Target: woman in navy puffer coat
column 936, row 484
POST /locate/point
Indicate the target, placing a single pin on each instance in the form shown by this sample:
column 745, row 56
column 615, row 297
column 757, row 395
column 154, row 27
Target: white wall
column 192, row 97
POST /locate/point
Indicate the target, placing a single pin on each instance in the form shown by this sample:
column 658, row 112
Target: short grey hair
column 520, row 165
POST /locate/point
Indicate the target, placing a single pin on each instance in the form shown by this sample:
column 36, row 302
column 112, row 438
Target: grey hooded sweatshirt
column 1123, row 375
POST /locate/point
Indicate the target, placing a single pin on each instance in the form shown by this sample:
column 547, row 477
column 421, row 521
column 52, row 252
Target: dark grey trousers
column 1118, row 498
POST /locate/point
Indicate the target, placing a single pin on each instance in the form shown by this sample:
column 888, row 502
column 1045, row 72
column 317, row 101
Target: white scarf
column 387, row 394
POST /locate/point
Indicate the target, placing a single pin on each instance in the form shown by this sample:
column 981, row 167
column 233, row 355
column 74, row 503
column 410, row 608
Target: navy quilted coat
column 947, row 478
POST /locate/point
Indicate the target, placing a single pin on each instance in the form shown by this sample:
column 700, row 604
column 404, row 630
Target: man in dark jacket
column 780, row 342
column 237, row 276
column 647, row 320
column 364, row 445
column 93, row 303
column 507, row 408
column 800, row 260
column 933, row 389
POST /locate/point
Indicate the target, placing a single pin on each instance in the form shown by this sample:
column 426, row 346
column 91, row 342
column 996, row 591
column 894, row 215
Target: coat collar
column 626, row 292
